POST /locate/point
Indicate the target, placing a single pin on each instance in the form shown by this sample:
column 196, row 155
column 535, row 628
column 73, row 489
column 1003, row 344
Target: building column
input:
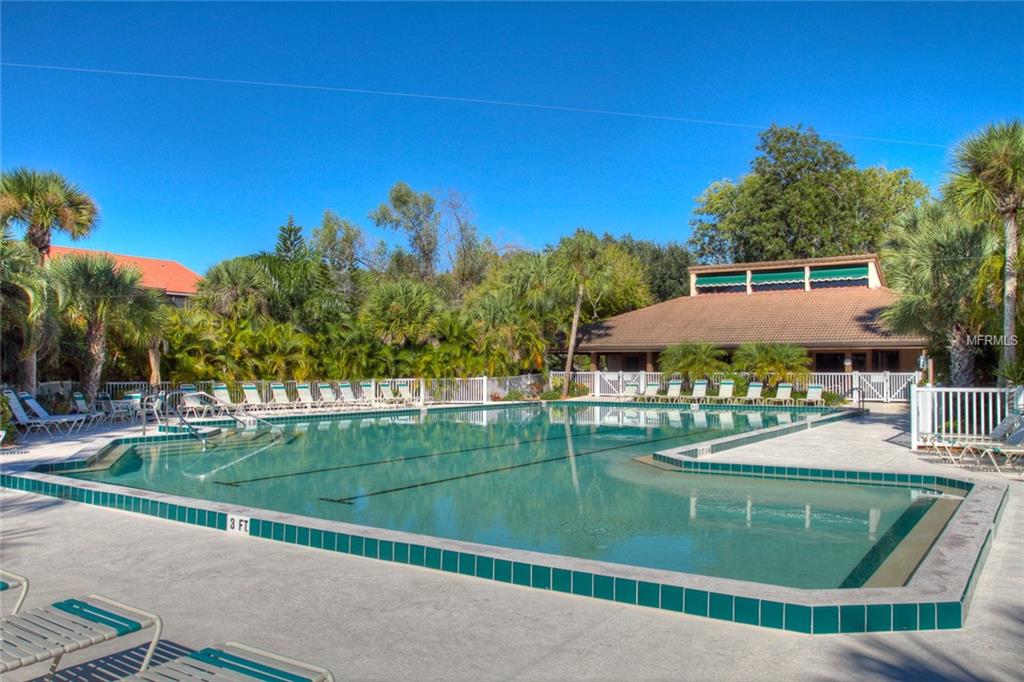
column 650, row 361
column 593, row 362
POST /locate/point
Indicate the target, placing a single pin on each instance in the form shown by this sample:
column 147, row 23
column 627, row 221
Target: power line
column 449, row 98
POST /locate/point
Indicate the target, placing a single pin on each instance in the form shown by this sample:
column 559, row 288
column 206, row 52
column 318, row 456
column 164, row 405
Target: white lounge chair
column 348, row 396
column 193, row 405
column 223, row 397
column 233, row 661
column 783, row 395
column 674, row 391
column 13, row 581
column 306, row 399
column 725, row 389
column 700, row 391
column 631, row 390
column 329, row 397
column 405, row 391
column 814, row 396
column 253, row 399
column 49, row 632
column 753, row 396
column 368, row 389
column 83, row 408
column 279, row 397
column 651, row 389
column 388, row 394
column 23, row 421
column 71, row 421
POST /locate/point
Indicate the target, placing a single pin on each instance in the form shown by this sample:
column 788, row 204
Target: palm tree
column 42, row 202
column 988, row 184
column 240, row 287
column 23, row 290
column 933, row 258
column 402, row 313
column 767, row 361
column 693, row 360
column 96, row 295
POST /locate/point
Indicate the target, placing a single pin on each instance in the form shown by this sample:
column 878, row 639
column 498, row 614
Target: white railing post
column 915, row 428
column 483, row 385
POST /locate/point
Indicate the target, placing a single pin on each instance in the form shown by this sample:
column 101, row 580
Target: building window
column 829, row 362
column 886, row 360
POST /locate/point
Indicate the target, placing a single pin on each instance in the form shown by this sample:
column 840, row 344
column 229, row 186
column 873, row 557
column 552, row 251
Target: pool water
column 555, row 479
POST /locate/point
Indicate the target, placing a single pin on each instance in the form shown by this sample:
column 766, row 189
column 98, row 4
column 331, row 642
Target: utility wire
column 447, row 98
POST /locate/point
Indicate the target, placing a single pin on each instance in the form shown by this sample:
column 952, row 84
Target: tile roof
column 167, row 275
column 823, row 318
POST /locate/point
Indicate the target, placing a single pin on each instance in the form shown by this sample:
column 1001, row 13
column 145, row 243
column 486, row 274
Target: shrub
column 6, row 423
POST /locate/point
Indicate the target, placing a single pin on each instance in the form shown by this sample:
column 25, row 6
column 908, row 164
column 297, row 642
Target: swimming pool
column 565, row 480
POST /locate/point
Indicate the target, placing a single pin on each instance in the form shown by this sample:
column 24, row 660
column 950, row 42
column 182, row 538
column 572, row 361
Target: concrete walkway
column 368, row 620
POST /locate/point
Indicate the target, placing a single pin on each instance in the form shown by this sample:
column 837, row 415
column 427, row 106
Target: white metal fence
column 884, row 387
column 955, row 413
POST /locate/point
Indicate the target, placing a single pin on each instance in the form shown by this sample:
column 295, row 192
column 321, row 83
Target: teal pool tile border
column 817, row 619
column 929, row 483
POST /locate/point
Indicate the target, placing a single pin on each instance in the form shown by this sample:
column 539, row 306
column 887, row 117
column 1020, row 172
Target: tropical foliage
column 934, row 258
column 803, row 198
column 988, row 184
column 693, row 360
column 771, row 362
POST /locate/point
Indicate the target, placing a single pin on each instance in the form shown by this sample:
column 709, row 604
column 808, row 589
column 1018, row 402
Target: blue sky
column 200, row 171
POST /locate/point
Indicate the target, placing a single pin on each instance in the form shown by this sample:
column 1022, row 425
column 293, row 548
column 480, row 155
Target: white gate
column 873, row 386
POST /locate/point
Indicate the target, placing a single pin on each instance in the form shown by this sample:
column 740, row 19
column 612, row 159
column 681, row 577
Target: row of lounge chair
column 783, row 394
column 46, row 633
column 1005, row 442
column 29, row 415
column 382, row 395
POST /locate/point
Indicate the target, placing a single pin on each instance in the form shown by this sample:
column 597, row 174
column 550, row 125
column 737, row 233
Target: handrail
column 217, row 402
column 860, row 394
column 181, row 418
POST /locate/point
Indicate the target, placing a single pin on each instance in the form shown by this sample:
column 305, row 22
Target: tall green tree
column 402, row 313
column 667, row 265
column 43, row 202
column 803, row 198
column 338, row 242
column 290, row 242
column 415, row 214
column 933, row 259
column 95, row 295
column 23, row 292
column 588, row 272
column 988, row 184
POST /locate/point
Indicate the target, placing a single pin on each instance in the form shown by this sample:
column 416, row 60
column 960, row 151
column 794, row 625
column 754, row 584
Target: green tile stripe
column 804, row 618
column 195, row 516
column 854, row 477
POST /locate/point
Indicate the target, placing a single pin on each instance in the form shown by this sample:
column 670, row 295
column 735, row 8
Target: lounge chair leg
column 158, row 630
column 53, row 667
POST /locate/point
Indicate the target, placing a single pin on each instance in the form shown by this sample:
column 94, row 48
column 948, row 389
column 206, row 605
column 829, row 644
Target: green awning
column 721, row 280
column 833, row 274
column 778, row 277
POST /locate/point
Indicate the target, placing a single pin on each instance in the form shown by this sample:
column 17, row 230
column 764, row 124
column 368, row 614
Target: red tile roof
column 167, row 275
column 823, row 318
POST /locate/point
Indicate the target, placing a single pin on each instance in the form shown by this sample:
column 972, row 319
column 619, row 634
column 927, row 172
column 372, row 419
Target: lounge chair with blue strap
column 700, row 391
column 49, row 632
column 13, row 581
column 232, row 662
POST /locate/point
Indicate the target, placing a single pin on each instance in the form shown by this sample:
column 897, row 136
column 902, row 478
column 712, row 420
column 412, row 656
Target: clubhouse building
column 830, row 306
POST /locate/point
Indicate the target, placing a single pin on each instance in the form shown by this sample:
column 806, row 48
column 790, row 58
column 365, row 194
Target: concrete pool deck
column 370, row 620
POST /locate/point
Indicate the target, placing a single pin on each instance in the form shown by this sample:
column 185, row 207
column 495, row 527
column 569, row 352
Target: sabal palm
column 240, row 287
column 933, row 259
column 693, row 360
column 42, row 202
column 402, row 313
column 987, row 183
column 95, row 294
